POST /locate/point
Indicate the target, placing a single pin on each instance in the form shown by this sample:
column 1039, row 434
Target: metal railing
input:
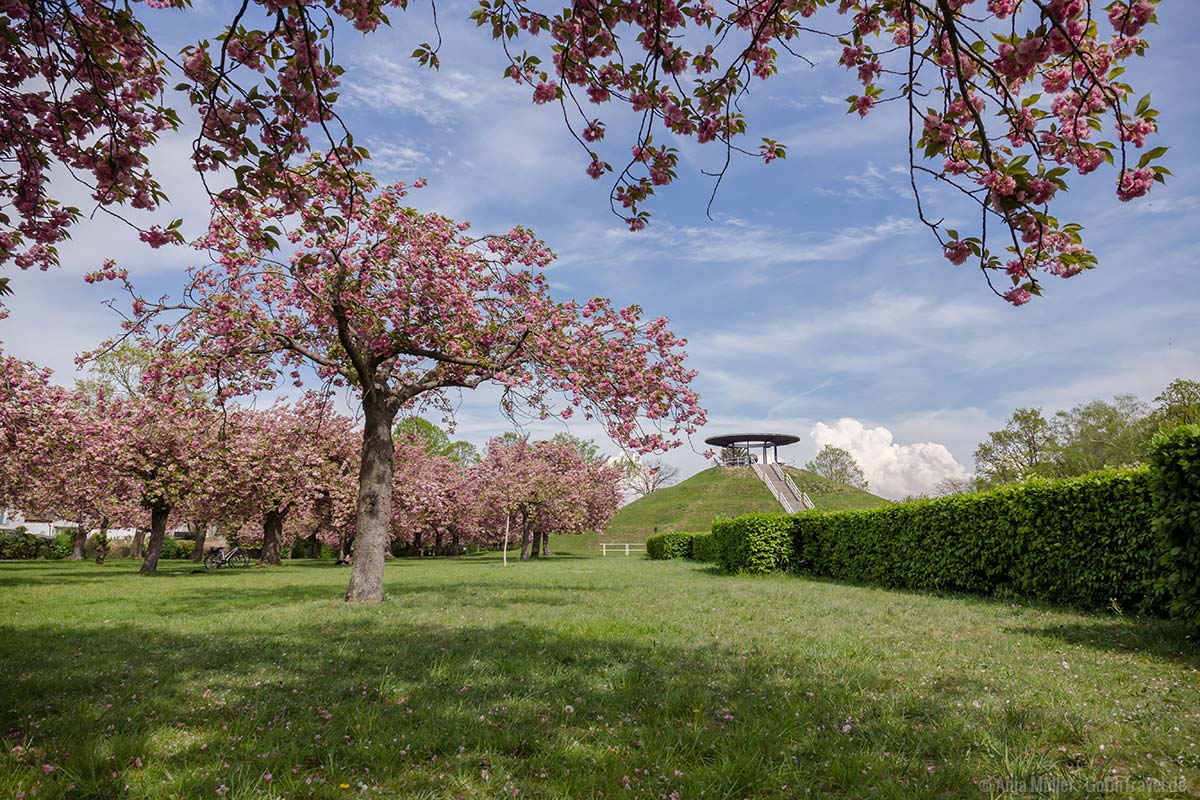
column 629, row 548
column 778, row 495
column 805, row 501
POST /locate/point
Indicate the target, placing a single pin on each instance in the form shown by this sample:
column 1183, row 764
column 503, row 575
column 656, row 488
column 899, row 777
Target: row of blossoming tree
column 277, row 476
column 317, row 283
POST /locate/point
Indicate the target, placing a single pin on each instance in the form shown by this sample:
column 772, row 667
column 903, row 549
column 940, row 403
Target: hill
column 830, row 495
column 693, row 504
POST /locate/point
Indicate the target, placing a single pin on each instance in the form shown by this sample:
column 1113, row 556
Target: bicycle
column 222, row 558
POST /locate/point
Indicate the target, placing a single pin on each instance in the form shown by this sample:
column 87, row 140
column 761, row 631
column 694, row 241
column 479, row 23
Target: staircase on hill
column 782, row 488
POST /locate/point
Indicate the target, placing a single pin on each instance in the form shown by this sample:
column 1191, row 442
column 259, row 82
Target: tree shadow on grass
column 1162, row 639
column 329, row 704
column 220, row 598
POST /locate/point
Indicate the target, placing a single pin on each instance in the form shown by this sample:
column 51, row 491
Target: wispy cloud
column 382, row 85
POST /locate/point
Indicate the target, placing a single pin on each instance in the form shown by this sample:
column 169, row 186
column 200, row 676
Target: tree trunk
column 536, row 549
column 78, row 543
column 374, row 502
column 437, row 543
column 524, row 537
column 454, row 549
column 158, row 532
column 272, row 533
column 102, row 541
column 546, row 545
column 200, row 534
column 324, row 521
column 416, row 543
column 139, row 543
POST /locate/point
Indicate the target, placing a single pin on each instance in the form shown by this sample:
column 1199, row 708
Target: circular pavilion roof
column 731, row 439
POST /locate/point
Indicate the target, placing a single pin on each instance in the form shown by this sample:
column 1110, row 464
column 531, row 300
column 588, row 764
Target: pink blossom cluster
column 989, row 61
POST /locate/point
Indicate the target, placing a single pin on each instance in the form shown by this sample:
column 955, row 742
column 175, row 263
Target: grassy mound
column 693, row 504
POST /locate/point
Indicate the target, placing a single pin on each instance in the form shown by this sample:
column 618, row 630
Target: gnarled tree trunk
column 200, row 534
column 158, row 532
column 78, row 544
column 524, row 537
column 102, row 541
column 272, row 533
column 324, row 521
column 546, row 545
column 454, row 548
column 374, row 501
column 536, row 549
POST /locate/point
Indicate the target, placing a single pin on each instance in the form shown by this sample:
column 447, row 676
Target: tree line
column 1080, row 439
column 107, row 454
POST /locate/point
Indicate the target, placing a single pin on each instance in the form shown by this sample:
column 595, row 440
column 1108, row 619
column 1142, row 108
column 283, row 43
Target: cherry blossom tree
column 56, row 454
column 545, row 487
column 1006, row 99
column 425, row 494
column 25, row 394
column 165, row 449
column 406, row 308
column 73, row 476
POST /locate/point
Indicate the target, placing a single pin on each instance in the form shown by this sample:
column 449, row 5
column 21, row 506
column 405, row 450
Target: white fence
column 620, row 547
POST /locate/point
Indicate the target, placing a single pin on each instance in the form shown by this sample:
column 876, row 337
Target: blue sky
column 813, row 300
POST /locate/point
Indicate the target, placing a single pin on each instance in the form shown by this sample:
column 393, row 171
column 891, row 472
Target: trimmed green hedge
column 1175, row 459
column 1084, row 541
column 1129, row 537
column 704, row 548
column 753, row 544
column 669, row 545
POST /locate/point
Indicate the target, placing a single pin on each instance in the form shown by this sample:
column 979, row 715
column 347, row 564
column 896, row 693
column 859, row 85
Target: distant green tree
column 1178, row 404
column 116, row 372
column 1025, row 446
column 837, row 464
column 436, row 441
column 1100, row 434
column 585, row 447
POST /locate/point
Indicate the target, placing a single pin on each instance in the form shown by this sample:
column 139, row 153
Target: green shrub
column 704, row 548
column 19, row 543
column 119, row 548
column 753, row 544
column 669, row 545
column 1175, row 459
column 62, row 544
column 177, row 548
column 1084, row 541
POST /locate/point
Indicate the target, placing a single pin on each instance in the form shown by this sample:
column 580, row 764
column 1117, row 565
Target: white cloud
column 380, row 84
column 893, row 470
column 396, row 156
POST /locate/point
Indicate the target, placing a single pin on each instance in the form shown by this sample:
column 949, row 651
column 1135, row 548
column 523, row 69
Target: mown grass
column 830, row 495
column 573, row 677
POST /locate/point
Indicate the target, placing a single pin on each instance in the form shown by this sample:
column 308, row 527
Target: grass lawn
column 579, row 677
